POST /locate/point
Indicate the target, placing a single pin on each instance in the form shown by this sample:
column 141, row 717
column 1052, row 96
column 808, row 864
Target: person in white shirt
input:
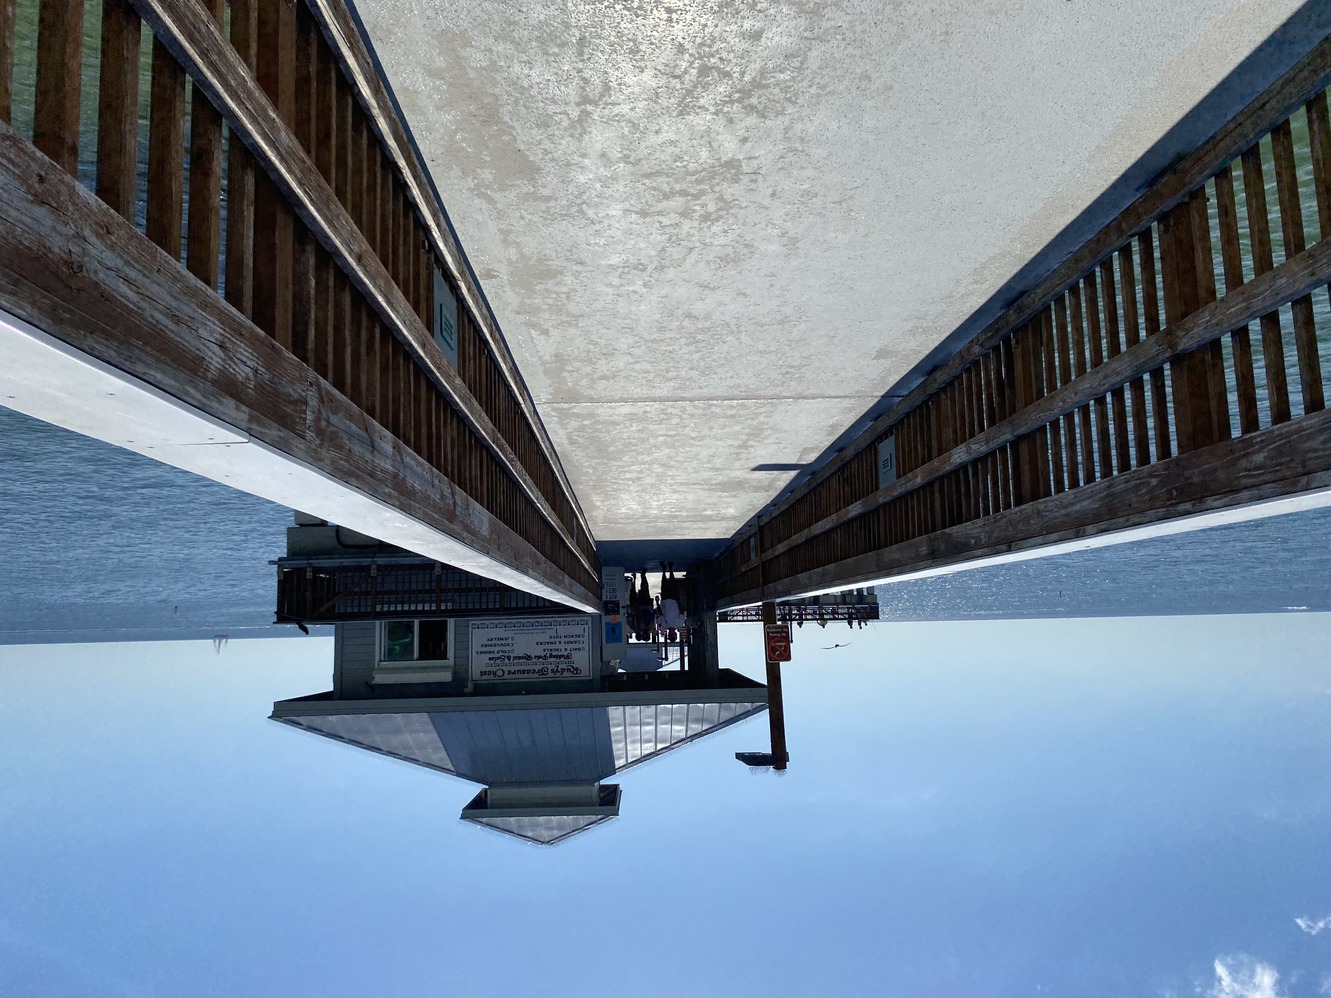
column 672, row 617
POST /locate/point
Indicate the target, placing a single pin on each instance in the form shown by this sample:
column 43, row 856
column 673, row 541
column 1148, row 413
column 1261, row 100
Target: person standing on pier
column 640, row 605
column 672, row 617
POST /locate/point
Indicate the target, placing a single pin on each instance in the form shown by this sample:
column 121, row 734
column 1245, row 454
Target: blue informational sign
column 613, row 597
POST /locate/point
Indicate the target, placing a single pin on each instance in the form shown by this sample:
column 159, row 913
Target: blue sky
column 1120, row 807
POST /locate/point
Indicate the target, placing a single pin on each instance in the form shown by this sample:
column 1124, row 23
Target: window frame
column 433, row 668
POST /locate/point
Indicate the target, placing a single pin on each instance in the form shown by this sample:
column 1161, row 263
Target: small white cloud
column 1244, row 977
column 1325, row 987
column 1311, row 927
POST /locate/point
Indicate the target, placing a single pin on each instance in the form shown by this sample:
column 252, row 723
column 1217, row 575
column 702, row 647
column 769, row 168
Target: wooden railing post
column 8, row 9
column 1189, row 373
column 118, row 107
column 274, row 232
column 205, row 180
column 55, row 128
column 240, row 176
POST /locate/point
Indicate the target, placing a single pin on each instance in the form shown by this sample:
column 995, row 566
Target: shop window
column 415, row 642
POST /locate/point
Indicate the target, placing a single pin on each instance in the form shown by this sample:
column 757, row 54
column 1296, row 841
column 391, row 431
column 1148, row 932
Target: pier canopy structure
column 718, row 237
column 807, row 296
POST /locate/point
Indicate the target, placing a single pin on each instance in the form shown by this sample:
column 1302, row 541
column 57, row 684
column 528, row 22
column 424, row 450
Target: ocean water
column 105, row 544
column 1274, row 565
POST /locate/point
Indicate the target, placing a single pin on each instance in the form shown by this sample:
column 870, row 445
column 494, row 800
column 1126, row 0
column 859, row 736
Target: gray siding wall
column 353, row 659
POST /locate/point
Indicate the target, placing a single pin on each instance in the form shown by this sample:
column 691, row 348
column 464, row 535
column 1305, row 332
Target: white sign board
column 524, row 649
column 887, row 462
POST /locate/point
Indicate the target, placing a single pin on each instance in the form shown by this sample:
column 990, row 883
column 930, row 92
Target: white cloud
column 1244, row 977
column 1311, row 927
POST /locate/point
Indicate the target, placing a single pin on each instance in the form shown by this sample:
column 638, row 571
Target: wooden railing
column 323, row 591
column 1172, row 365
column 276, row 172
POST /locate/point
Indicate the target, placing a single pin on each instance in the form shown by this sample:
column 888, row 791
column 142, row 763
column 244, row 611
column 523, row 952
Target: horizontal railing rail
column 1133, row 362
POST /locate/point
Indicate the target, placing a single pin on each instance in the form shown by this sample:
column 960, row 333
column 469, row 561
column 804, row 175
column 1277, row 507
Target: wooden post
column 8, row 9
column 240, row 177
column 55, row 129
column 1189, row 373
column 205, row 181
column 1291, row 227
column 1259, row 236
column 776, row 711
column 166, row 151
column 118, row 107
column 1231, row 256
column 274, row 229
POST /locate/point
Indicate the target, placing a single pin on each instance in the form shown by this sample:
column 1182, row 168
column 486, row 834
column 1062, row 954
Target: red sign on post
column 778, row 642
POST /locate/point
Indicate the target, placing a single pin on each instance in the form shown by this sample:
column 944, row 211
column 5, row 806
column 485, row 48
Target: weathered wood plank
column 304, row 312
column 1213, row 353
column 118, row 106
column 8, row 8
column 240, row 175
column 327, row 78
column 1188, row 374
column 1113, row 347
column 1291, row 227
column 1089, row 465
column 55, row 127
column 204, row 232
column 1042, row 485
column 274, row 227
column 100, row 287
column 369, row 338
column 1319, row 139
column 359, row 198
column 1283, row 460
column 1050, row 384
column 1259, row 235
column 1141, row 436
column 166, row 152
column 1231, row 256
column 1019, row 366
column 1160, row 428
column 1064, row 377
column 307, row 82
